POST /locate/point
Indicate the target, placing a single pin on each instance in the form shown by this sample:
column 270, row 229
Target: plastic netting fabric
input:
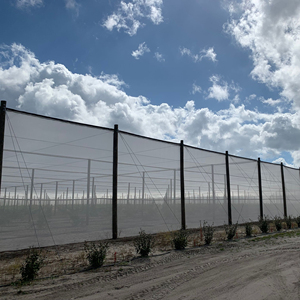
column 244, row 189
column 205, row 187
column 292, row 187
column 272, row 190
column 56, row 182
column 148, row 185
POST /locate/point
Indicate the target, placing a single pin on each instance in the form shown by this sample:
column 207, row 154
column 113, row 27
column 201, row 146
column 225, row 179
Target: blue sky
column 221, row 75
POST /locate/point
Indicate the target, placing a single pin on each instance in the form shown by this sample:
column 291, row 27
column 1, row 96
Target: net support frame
column 182, row 189
column 261, row 208
column 283, row 191
column 2, row 129
column 115, row 184
column 228, row 188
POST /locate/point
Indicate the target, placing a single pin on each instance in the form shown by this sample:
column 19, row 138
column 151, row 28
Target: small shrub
column 208, row 232
column 180, row 239
column 263, row 224
column 248, row 229
column 288, row 220
column 278, row 223
column 143, row 243
column 231, row 230
column 297, row 220
column 96, row 254
column 30, row 268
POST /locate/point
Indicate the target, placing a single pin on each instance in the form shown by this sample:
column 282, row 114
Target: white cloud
column 73, row 6
column 49, row 88
column 128, row 16
column 142, row 49
column 204, row 53
column 159, row 57
column 270, row 101
column 217, row 91
column 271, row 30
column 196, row 89
column 28, row 3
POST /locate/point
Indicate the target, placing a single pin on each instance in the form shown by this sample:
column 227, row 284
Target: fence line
column 80, row 182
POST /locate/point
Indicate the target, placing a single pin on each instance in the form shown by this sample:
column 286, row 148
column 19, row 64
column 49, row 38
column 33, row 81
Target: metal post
column 228, row 189
column 171, row 190
column 41, row 194
column 128, row 193
column 73, row 194
column 174, row 193
column 143, row 188
column 31, row 187
column 261, row 208
column 55, row 198
column 283, row 191
column 2, row 130
column 88, row 192
column 115, row 184
column 183, row 222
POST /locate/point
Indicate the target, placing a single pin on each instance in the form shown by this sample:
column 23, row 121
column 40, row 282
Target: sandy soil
column 262, row 267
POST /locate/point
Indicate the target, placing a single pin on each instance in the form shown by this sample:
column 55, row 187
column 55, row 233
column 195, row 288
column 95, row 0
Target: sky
column 221, row 75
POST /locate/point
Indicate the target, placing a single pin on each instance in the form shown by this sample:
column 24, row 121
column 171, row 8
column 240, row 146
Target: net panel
column 205, row 187
column 148, row 185
column 56, row 182
column 292, row 191
column 272, row 190
column 244, row 189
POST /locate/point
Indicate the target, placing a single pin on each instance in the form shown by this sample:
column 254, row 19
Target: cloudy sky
column 221, row 75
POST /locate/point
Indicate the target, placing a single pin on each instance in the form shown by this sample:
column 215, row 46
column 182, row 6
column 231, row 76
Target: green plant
column 30, row 268
column 248, row 229
column 208, row 232
column 180, row 239
column 230, row 230
column 297, row 220
column 278, row 223
column 143, row 243
column 96, row 254
column 263, row 224
column 288, row 221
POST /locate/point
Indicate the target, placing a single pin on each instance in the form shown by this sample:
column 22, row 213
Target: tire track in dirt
column 86, row 286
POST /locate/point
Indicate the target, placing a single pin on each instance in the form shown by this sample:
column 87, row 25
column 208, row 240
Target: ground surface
column 263, row 267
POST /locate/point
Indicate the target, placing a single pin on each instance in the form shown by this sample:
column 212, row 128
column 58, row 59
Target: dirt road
column 257, row 268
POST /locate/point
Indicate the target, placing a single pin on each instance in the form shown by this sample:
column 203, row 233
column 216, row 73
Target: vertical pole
column 283, row 191
column 55, row 198
column 93, row 191
column 4, row 198
column 41, row 194
column 115, row 185
column 31, row 187
column 15, row 196
column 73, row 194
column 261, row 208
column 213, row 189
column 174, row 193
column 213, row 182
column 143, row 188
column 128, row 193
column 183, row 222
column 88, row 192
column 2, row 129
column 228, row 189
column 171, row 190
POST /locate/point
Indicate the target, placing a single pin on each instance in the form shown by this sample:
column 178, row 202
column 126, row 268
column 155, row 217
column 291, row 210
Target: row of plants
column 95, row 253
